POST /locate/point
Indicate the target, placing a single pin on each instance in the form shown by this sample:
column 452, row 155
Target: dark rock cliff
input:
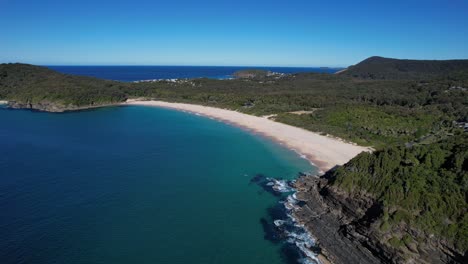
column 347, row 229
column 47, row 106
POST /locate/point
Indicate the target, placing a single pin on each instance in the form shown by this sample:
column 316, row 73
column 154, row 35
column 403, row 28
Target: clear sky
column 235, row 32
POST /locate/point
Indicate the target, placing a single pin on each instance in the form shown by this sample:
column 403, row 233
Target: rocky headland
column 347, row 230
column 53, row 107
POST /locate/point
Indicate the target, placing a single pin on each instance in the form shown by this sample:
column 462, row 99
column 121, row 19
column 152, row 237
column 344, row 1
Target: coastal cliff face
column 43, row 106
column 53, row 107
column 347, row 228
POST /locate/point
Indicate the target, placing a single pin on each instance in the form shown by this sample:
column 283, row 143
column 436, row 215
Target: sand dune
column 325, row 152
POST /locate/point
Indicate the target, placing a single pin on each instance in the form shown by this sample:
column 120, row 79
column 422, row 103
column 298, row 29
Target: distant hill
column 387, row 68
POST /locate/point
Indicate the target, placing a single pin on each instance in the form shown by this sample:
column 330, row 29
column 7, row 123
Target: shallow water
column 135, row 185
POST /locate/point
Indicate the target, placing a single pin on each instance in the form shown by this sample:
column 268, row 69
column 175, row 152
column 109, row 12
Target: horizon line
column 178, row 65
column 182, row 65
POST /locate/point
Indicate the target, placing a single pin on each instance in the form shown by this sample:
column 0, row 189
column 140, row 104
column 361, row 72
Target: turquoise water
column 135, row 185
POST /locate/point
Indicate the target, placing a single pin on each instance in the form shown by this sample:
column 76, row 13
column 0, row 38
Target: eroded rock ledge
column 346, row 230
column 47, row 106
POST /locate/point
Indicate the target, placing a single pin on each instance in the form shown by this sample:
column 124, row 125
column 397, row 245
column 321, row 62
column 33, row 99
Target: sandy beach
column 324, row 152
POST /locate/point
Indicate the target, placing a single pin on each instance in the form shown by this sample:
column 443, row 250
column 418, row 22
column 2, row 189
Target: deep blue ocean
column 136, row 185
column 138, row 73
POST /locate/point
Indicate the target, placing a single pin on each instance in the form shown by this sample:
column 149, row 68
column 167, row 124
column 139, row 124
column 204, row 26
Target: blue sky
column 236, row 32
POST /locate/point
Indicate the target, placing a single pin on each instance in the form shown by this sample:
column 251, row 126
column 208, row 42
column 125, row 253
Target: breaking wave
column 299, row 246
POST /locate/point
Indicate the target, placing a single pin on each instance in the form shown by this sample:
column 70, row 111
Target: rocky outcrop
column 348, row 230
column 324, row 221
column 43, row 106
column 47, row 106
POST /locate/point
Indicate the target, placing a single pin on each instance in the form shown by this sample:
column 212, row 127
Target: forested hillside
column 386, row 68
column 422, row 187
column 28, row 84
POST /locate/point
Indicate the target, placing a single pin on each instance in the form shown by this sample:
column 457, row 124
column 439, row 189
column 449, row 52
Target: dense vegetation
column 423, row 186
column 33, row 84
column 410, row 111
column 385, row 68
column 369, row 112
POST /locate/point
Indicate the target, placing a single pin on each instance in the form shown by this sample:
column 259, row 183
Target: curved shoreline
column 324, row 152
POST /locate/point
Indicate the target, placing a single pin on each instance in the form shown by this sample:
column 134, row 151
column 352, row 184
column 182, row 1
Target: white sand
column 325, row 152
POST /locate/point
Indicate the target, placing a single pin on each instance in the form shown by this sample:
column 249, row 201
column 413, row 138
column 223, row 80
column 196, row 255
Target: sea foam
column 296, row 234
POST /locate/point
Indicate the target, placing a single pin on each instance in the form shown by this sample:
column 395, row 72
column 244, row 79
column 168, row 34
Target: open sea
column 136, row 184
column 138, row 73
